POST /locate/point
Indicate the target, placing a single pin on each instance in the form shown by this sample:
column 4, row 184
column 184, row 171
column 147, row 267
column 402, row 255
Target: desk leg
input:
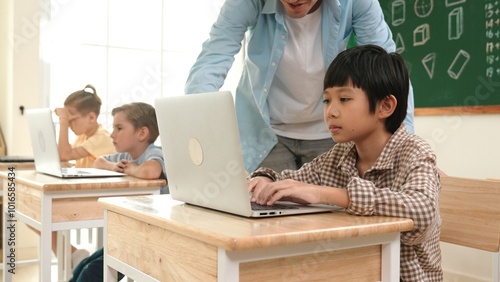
column 67, row 255
column 390, row 259
column 59, row 254
column 46, row 239
column 109, row 273
column 496, row 267
column 227, row 268
column 63, row 255
column 100, row 237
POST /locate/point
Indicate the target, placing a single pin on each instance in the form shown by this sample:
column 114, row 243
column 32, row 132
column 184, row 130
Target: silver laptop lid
column 201, row 146
column 46, row 153
column 43, row 141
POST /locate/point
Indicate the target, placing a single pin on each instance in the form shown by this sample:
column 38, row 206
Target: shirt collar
column 385, row 161
column 271, row 7
column 275, row 7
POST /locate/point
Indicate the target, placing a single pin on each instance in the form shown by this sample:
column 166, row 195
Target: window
column 130, row 50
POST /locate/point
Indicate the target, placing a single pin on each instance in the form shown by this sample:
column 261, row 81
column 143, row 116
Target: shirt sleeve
column 369, row 25
column 414, row 196
column 225, row 41
column 117, row 157
column 155, row 153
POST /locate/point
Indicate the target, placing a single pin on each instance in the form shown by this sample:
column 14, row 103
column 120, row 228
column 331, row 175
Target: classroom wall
column 466, row 145
column 21, row 70
column 5, row 20
column 18, row 82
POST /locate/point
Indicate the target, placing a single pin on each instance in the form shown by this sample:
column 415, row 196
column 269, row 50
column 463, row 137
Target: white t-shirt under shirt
column 295, row 97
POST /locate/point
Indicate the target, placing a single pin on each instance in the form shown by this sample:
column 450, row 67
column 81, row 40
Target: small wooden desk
column 53, row 204
column 154, row 238
column 23, row 165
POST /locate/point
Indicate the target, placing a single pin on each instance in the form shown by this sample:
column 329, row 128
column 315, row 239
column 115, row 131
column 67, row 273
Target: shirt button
column 283, row 37
column 265, row 90
column 273, row 64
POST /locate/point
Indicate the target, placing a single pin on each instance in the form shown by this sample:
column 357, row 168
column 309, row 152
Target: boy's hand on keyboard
column 266, row 192
column 256, row 184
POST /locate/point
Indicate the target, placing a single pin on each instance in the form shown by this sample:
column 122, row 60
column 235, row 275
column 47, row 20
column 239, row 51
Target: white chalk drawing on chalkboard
column 423, row 8
column 400, row 44
column 429, row 62
column 455, row 23
column 450, row 3
column 458, row 65
column 421, row 35
column 490, row 47
column 398, row 12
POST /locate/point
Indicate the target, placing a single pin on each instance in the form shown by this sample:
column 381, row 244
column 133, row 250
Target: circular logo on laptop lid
column 195, row 151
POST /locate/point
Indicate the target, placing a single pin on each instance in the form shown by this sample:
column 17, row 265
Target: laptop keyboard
column 73, row 171
column 257, row 207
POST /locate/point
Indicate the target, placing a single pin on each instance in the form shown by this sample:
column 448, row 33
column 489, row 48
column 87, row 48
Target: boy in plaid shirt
column 376, row 167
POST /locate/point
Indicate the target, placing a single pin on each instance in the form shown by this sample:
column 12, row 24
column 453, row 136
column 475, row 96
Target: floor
column 29, row 273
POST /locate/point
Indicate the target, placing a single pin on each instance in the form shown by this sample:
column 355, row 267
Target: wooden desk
column 24, row 165
column 53, row 204
column 154, row 238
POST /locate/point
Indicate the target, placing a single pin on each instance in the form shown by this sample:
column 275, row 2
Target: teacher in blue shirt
column 289, row 46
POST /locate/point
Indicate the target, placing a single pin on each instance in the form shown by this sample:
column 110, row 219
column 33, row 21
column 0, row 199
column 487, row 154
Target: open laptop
column 45, row 152
column 203, row 158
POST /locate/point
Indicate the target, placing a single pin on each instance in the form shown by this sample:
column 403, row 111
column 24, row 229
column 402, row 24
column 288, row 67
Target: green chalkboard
column 452, row 48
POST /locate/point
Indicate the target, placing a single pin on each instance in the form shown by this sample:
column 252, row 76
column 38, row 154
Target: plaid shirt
column 403, row 182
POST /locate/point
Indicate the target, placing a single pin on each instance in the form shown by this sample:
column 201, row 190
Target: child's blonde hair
column 85, row 101
column 140, row 114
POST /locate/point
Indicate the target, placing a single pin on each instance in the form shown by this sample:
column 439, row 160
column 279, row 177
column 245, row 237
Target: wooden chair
column 470, row 210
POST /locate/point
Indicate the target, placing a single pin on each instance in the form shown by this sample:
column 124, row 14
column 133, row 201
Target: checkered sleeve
column 410, row 191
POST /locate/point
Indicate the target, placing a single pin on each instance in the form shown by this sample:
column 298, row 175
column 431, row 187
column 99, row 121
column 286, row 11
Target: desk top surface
column 23, row 165
column 235, row 233
column 45, row 182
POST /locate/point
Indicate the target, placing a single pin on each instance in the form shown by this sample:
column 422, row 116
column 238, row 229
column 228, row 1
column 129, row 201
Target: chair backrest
column 470, row 210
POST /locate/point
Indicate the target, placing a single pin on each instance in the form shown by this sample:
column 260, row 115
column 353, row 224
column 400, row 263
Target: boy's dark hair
column 140, row 114
column 376, row 72
column 85, row 101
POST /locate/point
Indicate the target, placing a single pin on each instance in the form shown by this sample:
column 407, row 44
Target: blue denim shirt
column 266, row 39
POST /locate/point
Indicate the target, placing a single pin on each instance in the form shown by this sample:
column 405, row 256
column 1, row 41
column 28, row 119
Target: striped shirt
column 403, row 182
